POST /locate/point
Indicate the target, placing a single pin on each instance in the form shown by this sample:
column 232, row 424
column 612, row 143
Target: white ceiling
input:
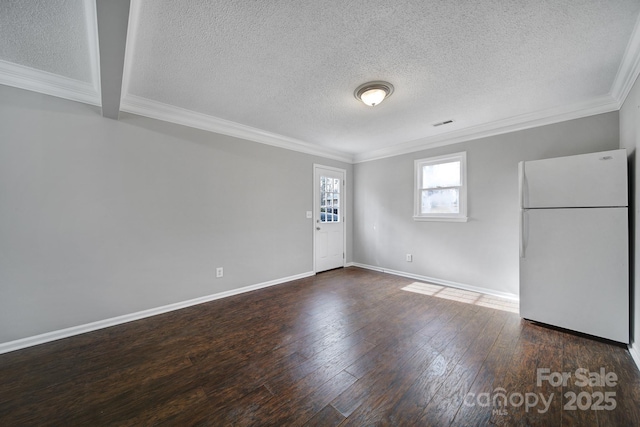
column 283, row 72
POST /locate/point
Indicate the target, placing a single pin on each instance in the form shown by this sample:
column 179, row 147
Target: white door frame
column 316, row 206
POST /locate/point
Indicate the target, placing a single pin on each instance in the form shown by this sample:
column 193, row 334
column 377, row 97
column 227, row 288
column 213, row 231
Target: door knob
column 317, row 228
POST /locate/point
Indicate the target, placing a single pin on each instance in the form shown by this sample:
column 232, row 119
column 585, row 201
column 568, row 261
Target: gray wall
column 630, row 139
column 484, row 251
column 100, row 218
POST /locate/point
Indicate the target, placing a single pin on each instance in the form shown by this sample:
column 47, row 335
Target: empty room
column 319, row 213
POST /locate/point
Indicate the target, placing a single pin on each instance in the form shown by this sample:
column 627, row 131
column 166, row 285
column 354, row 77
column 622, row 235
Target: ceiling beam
column 113, row 21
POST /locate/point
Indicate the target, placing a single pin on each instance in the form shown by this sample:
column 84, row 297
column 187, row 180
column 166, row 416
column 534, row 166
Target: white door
column 585, row 180
column 574, row 270
column 328, row 218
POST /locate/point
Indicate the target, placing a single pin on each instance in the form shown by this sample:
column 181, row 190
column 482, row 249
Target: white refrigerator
column 574, row 243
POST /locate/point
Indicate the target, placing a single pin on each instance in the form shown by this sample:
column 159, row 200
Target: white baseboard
column 442, row 282
column 100, row 324
column 635, row 353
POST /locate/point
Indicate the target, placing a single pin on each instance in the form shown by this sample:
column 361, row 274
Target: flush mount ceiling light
column 373, row 93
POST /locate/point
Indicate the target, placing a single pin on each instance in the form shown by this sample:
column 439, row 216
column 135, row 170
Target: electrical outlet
column 409, row 258
column 219, row 272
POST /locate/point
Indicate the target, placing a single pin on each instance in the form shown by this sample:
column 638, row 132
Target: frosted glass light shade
column 373, row 97
column 373, row 93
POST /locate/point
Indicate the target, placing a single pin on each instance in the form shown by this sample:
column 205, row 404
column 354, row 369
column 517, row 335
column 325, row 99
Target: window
column 329, row 199
column 441, row 188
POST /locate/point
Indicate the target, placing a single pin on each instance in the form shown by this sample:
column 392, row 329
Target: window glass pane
column 329, row 199
column 440, row 201
column 441, row 175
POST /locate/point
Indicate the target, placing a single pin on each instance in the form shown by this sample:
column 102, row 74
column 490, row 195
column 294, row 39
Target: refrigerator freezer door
column 574, row 273
column 585, row 180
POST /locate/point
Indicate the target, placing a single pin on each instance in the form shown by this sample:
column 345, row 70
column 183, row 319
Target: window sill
column 441, row 218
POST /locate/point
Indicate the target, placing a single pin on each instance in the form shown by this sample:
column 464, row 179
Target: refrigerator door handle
column 522, row 225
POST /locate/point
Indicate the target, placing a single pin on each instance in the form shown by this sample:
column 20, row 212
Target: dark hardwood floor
column 346, row 347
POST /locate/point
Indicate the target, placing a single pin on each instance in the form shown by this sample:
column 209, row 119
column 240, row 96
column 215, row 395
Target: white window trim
column 417, row 187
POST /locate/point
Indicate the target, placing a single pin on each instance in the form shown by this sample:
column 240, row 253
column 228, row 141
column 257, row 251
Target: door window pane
column 329, row 199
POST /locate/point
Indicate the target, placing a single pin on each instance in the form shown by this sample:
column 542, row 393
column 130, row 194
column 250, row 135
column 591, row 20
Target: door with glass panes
column 328, row 218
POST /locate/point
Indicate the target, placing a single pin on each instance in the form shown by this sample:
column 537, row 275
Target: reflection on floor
column 461, row 295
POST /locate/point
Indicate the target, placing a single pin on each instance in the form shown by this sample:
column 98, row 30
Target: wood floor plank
column 387, row 388
column 371, row 396
column 345, row 347
column 602, row 357
column 494, row 368
column 448, row 369
column 169, row 411
column 449, row 397
column 576, row 356
column 327, row 417
column 296, row 412
column 318, row 370
column 537, row 348
column 241, row 411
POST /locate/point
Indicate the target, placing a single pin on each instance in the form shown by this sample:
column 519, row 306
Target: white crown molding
column 448, row 283
column 604, row 104
column 101, row 324
column 169, row 113
column 629, row 67
column 29, row 78
column 157, row 110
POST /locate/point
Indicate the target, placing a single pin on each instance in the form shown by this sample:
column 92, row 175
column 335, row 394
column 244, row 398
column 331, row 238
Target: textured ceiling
column 288, row 69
